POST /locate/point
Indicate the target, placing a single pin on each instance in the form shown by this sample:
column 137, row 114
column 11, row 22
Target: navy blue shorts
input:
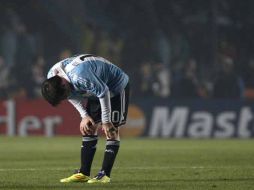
column 119, row 108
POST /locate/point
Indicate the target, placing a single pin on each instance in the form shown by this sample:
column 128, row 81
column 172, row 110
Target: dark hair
column 52, row 90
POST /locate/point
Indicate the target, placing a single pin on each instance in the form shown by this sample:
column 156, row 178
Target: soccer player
column 99, row 90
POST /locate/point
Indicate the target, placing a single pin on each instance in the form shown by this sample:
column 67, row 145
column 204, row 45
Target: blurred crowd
column 170, row 49
column 187, row 82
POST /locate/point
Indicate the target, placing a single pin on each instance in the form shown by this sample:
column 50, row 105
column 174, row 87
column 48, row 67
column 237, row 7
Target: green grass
column 39, row 163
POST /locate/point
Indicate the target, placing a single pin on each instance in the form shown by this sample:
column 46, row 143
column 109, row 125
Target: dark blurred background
column 170, row 48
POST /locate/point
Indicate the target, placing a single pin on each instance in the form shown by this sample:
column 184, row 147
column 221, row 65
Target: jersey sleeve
column 105, row 108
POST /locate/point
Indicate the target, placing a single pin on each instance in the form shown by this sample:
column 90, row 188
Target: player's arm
column 102, row 92
column 96, row 86
column 107, row 125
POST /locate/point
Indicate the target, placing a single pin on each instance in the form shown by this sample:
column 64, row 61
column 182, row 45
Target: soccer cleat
column 100, row 178
column 77, row 177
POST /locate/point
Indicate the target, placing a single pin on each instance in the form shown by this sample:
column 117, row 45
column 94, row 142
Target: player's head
column 55, row 89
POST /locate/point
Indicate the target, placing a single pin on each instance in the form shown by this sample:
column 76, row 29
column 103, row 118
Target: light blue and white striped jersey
column 91, row 75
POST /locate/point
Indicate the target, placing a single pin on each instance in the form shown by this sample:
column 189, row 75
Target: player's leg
column 119, row 106
column 89, row 141
column 88, row 148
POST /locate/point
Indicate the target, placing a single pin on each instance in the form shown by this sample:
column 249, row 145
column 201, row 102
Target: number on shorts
column 115, row 117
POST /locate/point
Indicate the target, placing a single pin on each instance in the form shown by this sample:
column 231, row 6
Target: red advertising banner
column 37, row 117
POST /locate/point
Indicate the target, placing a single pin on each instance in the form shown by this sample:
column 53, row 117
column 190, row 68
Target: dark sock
column 112, row 147
column 88, row 149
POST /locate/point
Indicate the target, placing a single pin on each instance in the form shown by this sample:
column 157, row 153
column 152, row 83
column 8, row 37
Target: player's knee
column 113, row 136
column 94, row 130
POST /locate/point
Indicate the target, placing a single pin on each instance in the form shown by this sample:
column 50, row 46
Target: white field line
column 127, row 168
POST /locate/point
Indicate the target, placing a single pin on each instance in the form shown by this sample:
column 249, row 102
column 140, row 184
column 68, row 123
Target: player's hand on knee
column 110, row 130
column 87, row 126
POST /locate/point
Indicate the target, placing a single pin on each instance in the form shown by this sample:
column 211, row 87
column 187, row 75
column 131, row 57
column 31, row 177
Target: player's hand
column 109, row 130
column 87, row 126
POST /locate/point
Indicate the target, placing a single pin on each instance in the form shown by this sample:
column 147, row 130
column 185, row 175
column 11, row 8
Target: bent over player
column 99, row 91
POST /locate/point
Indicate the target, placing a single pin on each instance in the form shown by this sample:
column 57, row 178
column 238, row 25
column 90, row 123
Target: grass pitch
column 39, row 163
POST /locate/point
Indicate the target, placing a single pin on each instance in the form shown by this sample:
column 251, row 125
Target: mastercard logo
column 135, row 123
